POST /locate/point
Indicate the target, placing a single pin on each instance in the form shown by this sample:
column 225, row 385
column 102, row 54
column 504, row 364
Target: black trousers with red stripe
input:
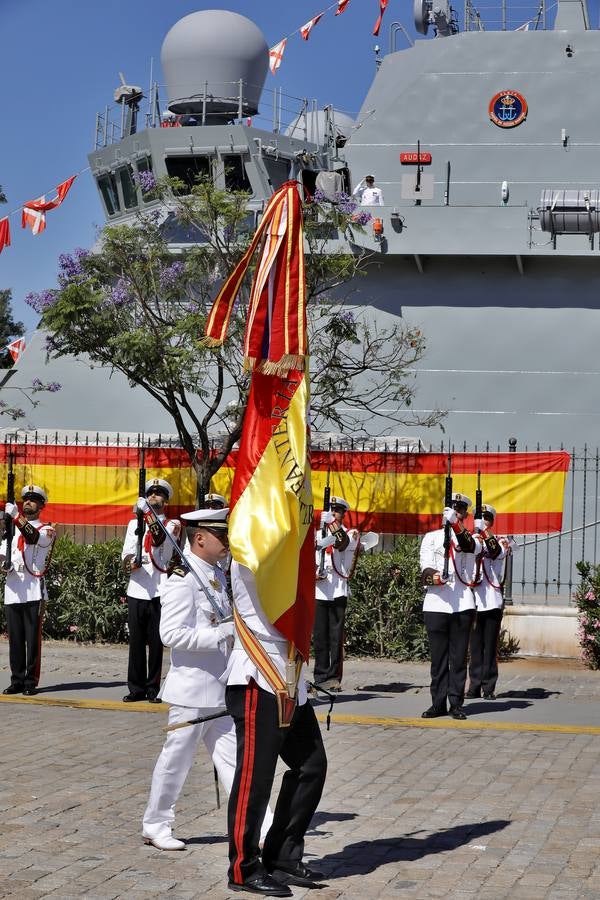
column 260, row 741
column 24, row 643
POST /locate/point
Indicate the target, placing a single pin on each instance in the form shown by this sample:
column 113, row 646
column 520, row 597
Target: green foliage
column 86, row 589
column 588, row 606
column 507, row 645
column 384, row 616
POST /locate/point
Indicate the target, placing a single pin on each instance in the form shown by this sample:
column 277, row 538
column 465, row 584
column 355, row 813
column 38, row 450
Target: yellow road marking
column 337, row 717
column 470, row 724
column 75, row 703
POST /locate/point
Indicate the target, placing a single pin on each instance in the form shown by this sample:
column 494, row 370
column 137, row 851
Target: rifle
column 141, row 525
column 326, row 497
column 9, row 525
column 478, row 498
column 447, row 526
column 219, row 613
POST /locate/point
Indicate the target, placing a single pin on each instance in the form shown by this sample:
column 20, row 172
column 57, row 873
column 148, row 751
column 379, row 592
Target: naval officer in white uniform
column 200, row 645
column 25, row 590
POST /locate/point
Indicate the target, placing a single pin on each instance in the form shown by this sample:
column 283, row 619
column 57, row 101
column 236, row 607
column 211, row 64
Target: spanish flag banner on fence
column 390, row 492
column 271, row 520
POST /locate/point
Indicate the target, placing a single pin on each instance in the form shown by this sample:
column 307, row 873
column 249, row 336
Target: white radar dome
column 204, row 58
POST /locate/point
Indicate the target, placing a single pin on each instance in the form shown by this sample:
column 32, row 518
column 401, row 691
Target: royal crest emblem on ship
column 508, row 109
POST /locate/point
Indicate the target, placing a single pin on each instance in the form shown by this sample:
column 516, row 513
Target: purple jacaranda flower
column 362, row 218
column 120, row 294
column 146, row 181
column 70, row 265
column 169, row 275
column 42, row 301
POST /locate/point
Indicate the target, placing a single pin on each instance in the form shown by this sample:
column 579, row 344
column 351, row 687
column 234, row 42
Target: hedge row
column 86, row 590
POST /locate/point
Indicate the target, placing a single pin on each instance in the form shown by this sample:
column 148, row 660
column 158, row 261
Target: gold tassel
column 210, row 342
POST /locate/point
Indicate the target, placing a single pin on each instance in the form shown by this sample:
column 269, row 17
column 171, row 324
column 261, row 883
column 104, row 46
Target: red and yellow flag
column 271, row 520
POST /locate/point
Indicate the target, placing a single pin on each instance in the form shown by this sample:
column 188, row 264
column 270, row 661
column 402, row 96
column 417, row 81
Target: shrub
column 86, row 590
column 384, row 617
column 588, row 605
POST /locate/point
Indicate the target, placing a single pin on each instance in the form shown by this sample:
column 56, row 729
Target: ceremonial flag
column 16, row 349
column 34, row 212
column 342, row 4
column 382, row 8
column 4, row 233
column 271, row 521
column 276, row 55
column 306, row 29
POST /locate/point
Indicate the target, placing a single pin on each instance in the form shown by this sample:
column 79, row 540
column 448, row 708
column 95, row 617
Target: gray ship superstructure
column 486, row 145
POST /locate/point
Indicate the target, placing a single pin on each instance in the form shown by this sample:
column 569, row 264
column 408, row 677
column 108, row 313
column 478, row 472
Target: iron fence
column 544, row 569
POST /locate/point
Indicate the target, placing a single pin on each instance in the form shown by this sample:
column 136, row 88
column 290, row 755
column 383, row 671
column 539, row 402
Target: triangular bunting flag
column 306, row 29
column 342, row 4
column 4, row 234
column 34, row 218
column 276, row 55
column 43, row 205
column 382, row 8
column 16, row 349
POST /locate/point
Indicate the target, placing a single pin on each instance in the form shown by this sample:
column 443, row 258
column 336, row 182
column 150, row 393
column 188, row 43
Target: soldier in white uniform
column 200, row 646
column 251, row 701
column 25, row 592
column 143, row 603
column 483, row 666
column 214, row 501
column 449, row 608
column 367, row 193
column 336, row 555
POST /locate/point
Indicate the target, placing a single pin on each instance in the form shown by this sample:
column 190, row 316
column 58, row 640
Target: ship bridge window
column 278, row 171
column 130, row 198
column 145, row 165
column 189, row 169
column 236, row 178
column 107, row 185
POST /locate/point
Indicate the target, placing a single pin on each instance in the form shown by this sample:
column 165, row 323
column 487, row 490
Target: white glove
column 323, row 542
column 327, row 517
column 449, row 515
column 11, row 509
column 480, row 524
column 142, row 505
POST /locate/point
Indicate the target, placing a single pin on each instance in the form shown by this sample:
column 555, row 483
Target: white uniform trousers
column 176, row 759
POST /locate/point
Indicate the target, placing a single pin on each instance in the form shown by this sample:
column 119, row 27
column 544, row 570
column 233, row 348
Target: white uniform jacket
column 241, row 668
column 455, row 595
column 368, row 196
column 337, row 565
column 144, row 583
column 25, row 583
column 488, row 593
column 189, row 626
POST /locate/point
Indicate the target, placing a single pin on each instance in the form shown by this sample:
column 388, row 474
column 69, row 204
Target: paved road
column 453, row 810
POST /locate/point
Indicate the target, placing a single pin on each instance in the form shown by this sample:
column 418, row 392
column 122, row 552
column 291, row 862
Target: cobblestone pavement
column 407, row 811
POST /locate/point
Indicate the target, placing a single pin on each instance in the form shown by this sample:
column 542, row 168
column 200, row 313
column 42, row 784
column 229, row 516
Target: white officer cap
column 207, row 518
column 486, row 508
column 461, row 498
column 35, row 492
column 159, row 484
column 339, row 501
column 211, row 499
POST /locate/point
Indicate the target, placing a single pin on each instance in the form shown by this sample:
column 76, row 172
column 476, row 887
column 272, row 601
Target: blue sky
column 59, row 65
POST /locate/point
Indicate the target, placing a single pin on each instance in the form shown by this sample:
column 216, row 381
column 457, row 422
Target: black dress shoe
column 133, row 698
column 262, row 884
column 457, row 712
column 473, row 695
column 490, row 696
column 29, row 692
column 297, row 874
column 153, row 698
column 13, row 689
column 434, row 712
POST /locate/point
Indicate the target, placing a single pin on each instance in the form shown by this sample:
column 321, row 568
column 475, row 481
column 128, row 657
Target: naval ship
column 485, row 144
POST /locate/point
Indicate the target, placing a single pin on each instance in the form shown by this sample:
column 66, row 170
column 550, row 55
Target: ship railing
column 279, row 112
